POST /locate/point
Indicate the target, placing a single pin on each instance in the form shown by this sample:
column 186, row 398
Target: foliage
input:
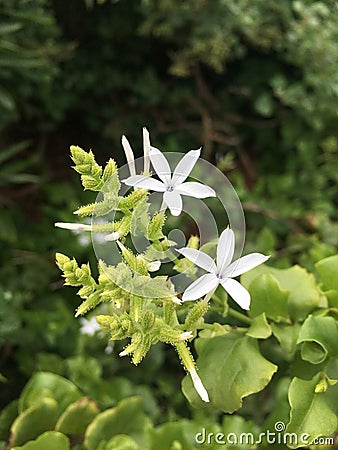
column 28, row 51
column 256, row 83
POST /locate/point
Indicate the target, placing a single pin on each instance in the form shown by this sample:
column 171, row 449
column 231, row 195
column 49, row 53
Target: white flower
column 89, row 327
column 172, row 186
column 223, row 272
column 130, row 154
column 73, row 226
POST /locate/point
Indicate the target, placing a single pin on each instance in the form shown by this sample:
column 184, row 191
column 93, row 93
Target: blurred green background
column 254, row 82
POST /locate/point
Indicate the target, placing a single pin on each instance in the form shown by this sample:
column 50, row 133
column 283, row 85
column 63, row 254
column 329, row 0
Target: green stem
column 240, row 316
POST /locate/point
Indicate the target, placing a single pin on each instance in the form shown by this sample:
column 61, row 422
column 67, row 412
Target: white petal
column 129, row 155
column 200, row 287
column 174, row 202
column 202, row 392
column 146, row 151
column 114, row 236
column 153, row 266
column 140, row 181
column 225, row 249
column 73, row 226
column 160, row 165
column 196, row 190
column 199, row 258
column 185, row 166
column 245, row 264
column 186, row 335
column 237, row 292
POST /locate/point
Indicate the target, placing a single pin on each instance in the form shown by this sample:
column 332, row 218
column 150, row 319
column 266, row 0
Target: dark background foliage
column 254, row 83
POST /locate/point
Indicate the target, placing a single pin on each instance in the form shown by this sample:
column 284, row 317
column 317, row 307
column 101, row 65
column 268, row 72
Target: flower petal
column 174, row 202
column 129, row 155
column 73, row 226
column 196, row 190
column 141, row 181
column 203, row 285
column 245, row 263
column 199, row 258
column 197, row 382
column 146, row 151
column 160, row 164
column 185, row 166
column 225, row 249
column 237, row 292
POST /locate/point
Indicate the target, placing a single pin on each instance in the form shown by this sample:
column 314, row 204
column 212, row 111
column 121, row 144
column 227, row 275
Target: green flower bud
column 132, row 200
column 148, row 320
column 108, row 322
column 196, row 314
column 61, row 260
column 141, row 350
column 90, row 303
column 155, row 226
column 85, row 291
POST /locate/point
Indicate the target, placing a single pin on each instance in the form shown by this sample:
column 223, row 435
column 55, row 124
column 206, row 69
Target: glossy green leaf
column 125, row 418
column 287, row 335
column 231, row 368
column 304, row 294
column 77, row 416
column 328, row 270
column 259, row 328
column 45, row 385
column 51, row 440
column 122, row 442
column 268, row 297
column 319, row 338
column 35, row 420
column 311, row 412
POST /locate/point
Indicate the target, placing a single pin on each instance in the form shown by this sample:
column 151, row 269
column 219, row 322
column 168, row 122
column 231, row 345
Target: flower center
column 219, row 276
column 170, row 188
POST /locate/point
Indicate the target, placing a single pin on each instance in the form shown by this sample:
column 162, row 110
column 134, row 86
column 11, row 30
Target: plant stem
column 240, row 316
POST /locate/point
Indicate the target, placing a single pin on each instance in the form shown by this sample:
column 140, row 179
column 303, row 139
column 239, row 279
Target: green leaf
column 46, row 385
column 267, row 297
column 122, row 442
column 304, row 294
column 183, row 434
column 286, row 335
column 259, row 328
column 35, row 420
column 311, row 412
column 328, row 271
column 126, row 418
column 77, row 417
column 231, row 367
column 319, row 337
column 7, row 417
column 51, row 440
